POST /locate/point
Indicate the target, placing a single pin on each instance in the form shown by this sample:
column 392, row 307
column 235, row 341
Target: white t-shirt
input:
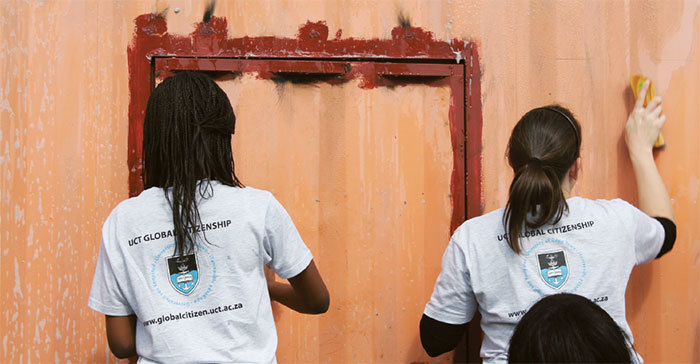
column 590, row 252
column 210, row 306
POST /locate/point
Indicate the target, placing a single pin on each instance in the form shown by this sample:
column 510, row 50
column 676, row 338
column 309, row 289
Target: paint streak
column 153, row 43
column 474, row 122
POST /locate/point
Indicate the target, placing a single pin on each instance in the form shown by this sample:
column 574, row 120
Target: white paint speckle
column 18, row 286
column 37, row 335
column 44, row 99
column 5, row 102
column 19, row 214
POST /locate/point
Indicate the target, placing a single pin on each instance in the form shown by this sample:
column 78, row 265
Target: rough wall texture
column 63, row 138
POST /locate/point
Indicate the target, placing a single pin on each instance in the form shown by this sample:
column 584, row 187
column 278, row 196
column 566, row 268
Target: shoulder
column 612, row 207
column 614, row 214
column 254, row 197
column 125, row 207
column 603, row 203
column 480, row 228
column 250, row 199
column 255, row 192
column 124, row 214
column 243, row 192
column 143, row 202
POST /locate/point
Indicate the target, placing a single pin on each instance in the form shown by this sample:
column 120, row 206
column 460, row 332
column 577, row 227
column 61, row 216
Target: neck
column 566, row 185
column 567, row 193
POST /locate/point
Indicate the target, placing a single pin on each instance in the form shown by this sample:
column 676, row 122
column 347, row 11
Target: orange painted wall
column 365, row 174
column 63, row 139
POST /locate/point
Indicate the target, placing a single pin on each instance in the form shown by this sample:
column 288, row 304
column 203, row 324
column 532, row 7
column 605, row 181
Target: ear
column 574, row 170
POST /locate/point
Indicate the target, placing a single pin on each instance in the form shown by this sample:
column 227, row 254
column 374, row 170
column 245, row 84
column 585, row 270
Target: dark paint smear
column 392, row 81
column 209, row 11
column 403, row 19
column 218, row 75
column 151, row 38
column 307, row 78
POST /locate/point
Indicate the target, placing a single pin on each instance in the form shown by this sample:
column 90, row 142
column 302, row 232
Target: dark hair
column 187, row 144
column 568, row 328
column 542, row 147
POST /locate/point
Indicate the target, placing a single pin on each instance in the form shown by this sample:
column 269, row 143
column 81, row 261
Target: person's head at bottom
column 568, row 328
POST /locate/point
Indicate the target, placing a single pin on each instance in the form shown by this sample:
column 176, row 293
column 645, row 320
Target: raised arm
column 306, row 294
column 642, row 129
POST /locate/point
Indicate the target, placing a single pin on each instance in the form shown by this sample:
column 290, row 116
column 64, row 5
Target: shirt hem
column 108, row 310
column 444, row 317
column 298, row 268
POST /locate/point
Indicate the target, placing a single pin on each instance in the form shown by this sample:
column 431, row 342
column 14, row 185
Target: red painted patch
column 312, row 41
column 313, row 36
column 210, row 42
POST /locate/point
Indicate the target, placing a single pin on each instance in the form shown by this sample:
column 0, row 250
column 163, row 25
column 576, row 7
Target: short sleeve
column 106, row 295
column 287, row 254
column 647, row 233
column 453, row 300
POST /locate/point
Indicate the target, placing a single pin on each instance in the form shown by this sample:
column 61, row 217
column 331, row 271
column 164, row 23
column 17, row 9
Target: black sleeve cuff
column 438, row 337
column 670, row 235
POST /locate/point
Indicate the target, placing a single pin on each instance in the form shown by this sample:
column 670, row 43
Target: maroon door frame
column 411, row 56
column 466, row 171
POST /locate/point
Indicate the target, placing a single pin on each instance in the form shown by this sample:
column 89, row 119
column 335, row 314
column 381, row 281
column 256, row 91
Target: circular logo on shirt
column 554, row 265
column 184, row 279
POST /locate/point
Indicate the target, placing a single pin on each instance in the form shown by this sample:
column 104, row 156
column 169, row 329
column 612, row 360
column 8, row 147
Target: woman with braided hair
column 546, row 241
column 180, row 276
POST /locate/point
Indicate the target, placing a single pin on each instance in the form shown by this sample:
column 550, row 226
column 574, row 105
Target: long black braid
column 187, row 144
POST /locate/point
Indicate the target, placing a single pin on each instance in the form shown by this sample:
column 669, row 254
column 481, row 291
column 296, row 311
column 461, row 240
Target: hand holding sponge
column 637, row 81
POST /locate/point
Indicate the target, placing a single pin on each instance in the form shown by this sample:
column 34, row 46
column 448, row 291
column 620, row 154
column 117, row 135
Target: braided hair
column 187, row 144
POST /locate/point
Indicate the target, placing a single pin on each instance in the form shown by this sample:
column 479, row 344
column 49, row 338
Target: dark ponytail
column 186, row 144
column 543, row 146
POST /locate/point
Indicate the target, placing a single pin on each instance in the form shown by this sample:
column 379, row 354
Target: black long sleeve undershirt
column 438, row 337
column 670, row 235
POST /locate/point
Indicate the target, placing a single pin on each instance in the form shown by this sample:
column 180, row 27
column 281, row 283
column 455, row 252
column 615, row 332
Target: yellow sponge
column 637, row 81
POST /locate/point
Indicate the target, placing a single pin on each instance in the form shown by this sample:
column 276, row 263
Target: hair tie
column 534, row 160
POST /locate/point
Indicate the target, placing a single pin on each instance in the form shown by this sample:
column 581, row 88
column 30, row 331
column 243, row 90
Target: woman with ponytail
column 180, row 276
column 546, row 241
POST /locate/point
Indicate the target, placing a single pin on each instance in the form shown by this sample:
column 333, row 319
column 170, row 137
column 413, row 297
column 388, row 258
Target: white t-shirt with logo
column 211, row 305
column 590, row 252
